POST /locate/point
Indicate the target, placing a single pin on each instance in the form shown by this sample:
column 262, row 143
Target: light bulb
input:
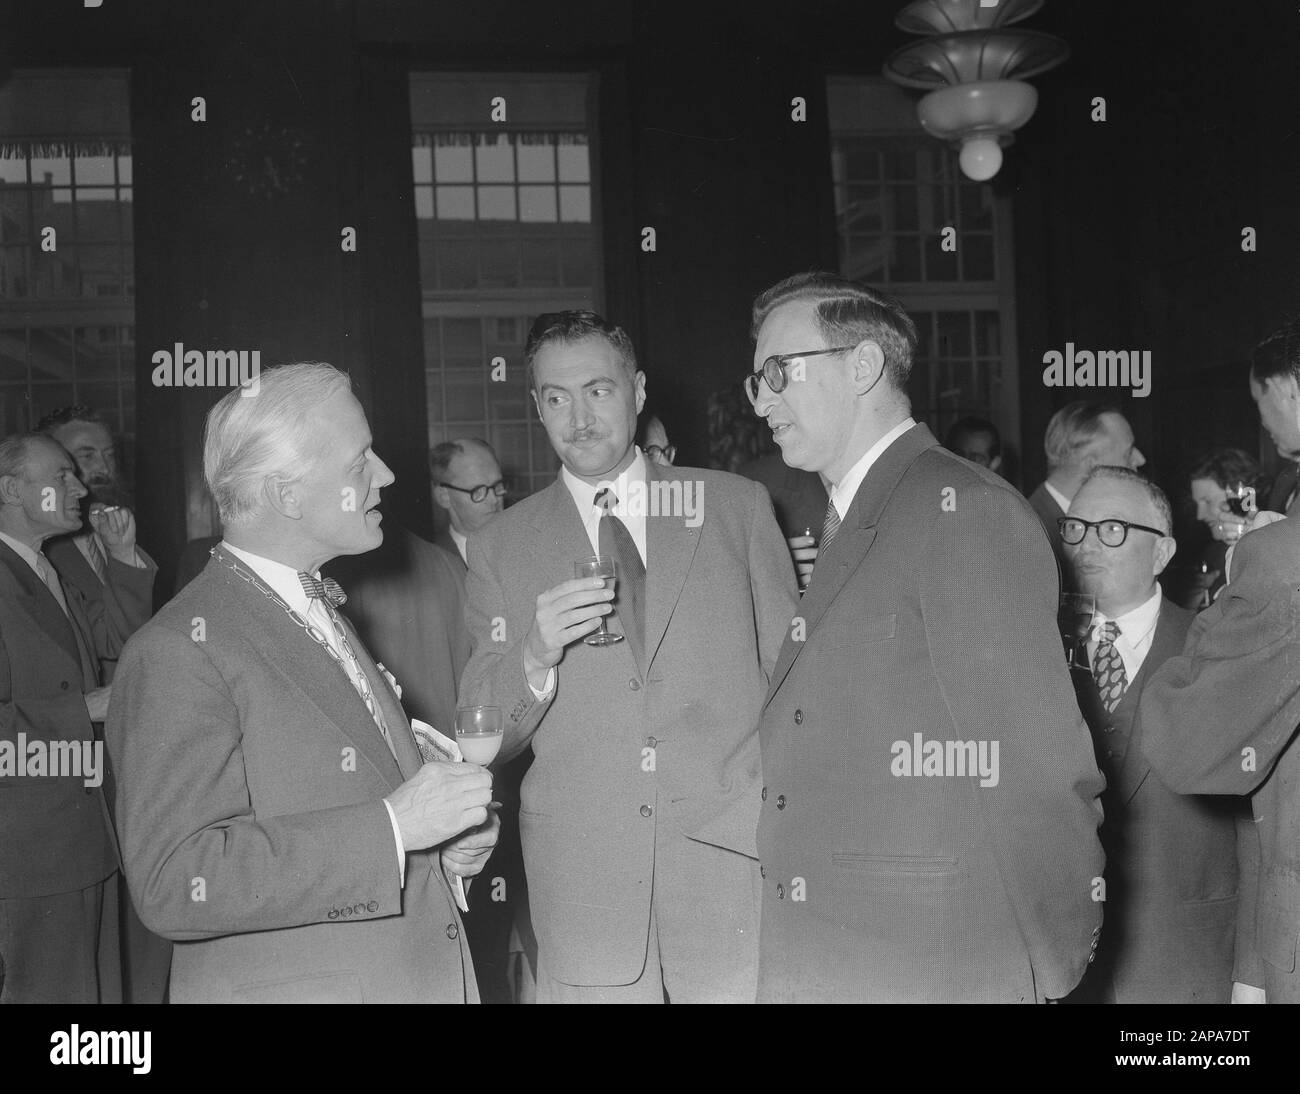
column 981, row 158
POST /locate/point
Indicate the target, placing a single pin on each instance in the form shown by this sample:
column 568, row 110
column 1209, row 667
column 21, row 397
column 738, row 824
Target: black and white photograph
column 627, row 502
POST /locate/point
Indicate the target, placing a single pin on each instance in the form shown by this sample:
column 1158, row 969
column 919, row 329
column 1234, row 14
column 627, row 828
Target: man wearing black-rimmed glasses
column 467, row 483
column 1171, row 860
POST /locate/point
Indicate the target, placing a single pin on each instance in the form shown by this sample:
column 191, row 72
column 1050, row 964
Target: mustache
column 585, row 435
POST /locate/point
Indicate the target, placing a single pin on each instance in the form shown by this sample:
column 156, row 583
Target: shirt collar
column 32, row 558
column 584, row 494
column 1058, row 497
column 844, row 491
column 460, row 541
column 1135, row 625
column 282, row 579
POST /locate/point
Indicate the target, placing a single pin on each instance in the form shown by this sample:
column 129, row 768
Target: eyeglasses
column 774, row 370
column 1111, row 532
column 665, row 452
column 478, row 493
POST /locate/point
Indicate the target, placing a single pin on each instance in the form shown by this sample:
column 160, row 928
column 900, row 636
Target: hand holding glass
column 603, row 567
column 478, row 732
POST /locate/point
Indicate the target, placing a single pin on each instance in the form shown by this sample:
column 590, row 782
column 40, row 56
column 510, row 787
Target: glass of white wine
column 478, row 732
column 604, row 567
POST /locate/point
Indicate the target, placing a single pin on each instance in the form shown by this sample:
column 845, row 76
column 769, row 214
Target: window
column 896, row 190
column 505, row 218
column 67, row 317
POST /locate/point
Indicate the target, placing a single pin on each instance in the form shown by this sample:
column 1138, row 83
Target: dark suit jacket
column 57, row 836
column 1221, row 718
column 1284, row 486
column 931, row 615
column 442, row 538
column 719, row 597
column 193, row 560
column 798, row 497
column 250, row 779
column 407, row 601
column 1048, row 512
column 1171, row 859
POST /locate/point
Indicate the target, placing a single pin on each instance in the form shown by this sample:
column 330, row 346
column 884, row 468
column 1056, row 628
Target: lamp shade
column 974, row 55
column 946, row 16
column 991, row 107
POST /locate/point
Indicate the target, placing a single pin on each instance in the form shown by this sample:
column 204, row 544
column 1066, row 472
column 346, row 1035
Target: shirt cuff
column 548, row 686
column 401, row 849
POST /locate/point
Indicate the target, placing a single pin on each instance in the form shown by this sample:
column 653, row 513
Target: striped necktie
column 98, row 562
column 829, row 527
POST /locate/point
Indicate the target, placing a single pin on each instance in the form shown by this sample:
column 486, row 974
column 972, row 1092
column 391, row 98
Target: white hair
column 252, row 437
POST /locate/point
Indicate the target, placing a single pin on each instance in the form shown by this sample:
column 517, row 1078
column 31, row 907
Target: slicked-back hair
column 1072, row 429
column 566, row 327
column 14, row 451
column 968, row 427
column 249, row 438
column 1278, row 355
column 1227, row 467
column 441, row 455
column 78, row 412
column 847, row 313
column 1154, row 494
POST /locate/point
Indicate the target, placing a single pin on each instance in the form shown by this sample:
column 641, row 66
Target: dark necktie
column 1108, row 668
column 829, row 527
column 98, row 562
column 629, row 601
column 326, row 589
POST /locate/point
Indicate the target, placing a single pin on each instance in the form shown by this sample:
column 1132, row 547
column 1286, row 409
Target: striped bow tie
column 328, row 590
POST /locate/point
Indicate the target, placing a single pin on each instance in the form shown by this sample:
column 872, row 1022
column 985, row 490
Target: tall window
column 67, row 314
column 504, row 211
column 896, row 191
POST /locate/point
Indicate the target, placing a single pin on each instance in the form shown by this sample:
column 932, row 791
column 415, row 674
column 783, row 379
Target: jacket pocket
column 335, row 987
column 880, row 628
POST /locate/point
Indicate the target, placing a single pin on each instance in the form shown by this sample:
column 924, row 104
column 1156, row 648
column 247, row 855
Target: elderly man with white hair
column 275, row 816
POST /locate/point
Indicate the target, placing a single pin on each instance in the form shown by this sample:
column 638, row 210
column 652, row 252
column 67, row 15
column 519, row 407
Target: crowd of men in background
column 749, row 795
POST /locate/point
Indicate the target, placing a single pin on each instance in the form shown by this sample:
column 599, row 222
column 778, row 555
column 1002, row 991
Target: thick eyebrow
column 598, row 381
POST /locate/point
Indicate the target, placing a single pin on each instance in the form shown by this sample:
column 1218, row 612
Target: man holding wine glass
column 640, row 692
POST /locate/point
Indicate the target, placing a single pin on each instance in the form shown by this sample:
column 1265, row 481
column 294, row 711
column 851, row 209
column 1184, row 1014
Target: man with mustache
column 82, row 560
column 638, row 813
column 275, row 816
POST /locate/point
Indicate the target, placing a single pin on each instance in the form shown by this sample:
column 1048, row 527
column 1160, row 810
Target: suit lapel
column 670, row 550
column 308, row 669
column 39, row 602
column 399, row 726
column 852, row 543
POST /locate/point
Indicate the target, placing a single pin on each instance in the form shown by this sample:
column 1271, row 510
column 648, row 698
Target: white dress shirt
column 844, row 491
column 283, row 580
column 460, row 542
column 1137, row 629
column 1058, row 497
column 631, row 488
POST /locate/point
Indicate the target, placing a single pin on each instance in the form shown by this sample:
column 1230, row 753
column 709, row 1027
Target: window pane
column 575, row 204
column 537, row 162
column 96, row 219
column 464, row 394
column 541, row 261
column 422, row 164
column 537, row 203
column 462, row 342
column 424, row 202
column 101, row 273
column 977, row 258
column 454, row 163
column 93, row 170
column 13, row 215
column 15, row 281
column 954, row 334
column 13, row 165
column 124, row 170
column 940, row 265
column 500, row 259
column 496, row 203
column 457, row 265
column 494, row 160
column 906, row 263
column 53, row 170
column 579, row 262
column 575, row 164
column 96, row 354
column 455, row 203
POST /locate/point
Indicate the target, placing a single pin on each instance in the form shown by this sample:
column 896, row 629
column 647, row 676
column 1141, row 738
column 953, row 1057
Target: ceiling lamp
column 974, row 63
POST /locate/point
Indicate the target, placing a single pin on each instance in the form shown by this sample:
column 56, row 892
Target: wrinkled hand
column 439, row 802
column 468, row 853
column 803, row 549
column 97, row 703
column 116, row 527
column 564, row 614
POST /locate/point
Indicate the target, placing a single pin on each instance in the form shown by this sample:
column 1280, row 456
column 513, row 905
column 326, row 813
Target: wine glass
column 1241, row 503
column 598, row 566
column 1075, row 615
column 478, row 732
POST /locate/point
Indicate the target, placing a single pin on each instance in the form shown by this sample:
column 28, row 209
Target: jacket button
column 780, row 891
column 798, row 717
column 646, row 811
column 651, row 742
column 762, row 872
column 453, row 932
column 780, row 801
column 1110, row 753
column 64, row 685
column 1110, row 729
column 763, row 795
column 635, row 685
